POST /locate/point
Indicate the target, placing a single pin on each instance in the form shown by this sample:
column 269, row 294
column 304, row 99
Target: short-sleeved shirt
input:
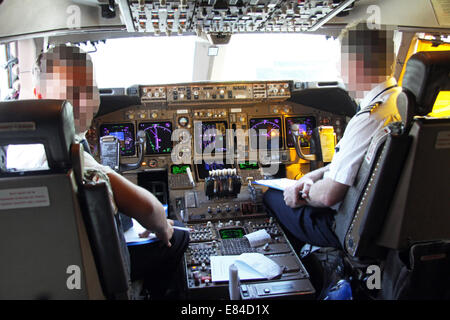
column 378, row 109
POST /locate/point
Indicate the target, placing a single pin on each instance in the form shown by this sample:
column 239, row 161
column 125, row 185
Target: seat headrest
column 426, row 74
column 46, row 122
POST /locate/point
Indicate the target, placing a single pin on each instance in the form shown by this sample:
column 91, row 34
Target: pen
column 181, row 228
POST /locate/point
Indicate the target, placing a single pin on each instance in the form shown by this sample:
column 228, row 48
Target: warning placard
column 24, row 198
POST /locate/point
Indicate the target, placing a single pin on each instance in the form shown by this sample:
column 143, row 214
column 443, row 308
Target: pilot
column 65, row 72
column 307, row 208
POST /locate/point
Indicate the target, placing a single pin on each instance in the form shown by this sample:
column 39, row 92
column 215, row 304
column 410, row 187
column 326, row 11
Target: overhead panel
column 228, row 17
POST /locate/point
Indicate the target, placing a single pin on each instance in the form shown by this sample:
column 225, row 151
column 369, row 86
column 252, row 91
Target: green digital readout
column 179, row 169
column 248, row 166
column 231, row 233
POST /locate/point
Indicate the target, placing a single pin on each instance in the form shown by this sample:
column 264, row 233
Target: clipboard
column 277, row 184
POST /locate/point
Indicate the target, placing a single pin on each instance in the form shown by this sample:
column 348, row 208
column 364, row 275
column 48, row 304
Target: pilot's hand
column 166, row 234
column 307, row 183
column 163, row 235
column 292, row 194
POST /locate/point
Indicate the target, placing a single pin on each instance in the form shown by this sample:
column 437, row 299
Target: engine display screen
column 124, row 132
column 265, row 133
column 231, row 233
column 159, row 136
column 210, row 136
column 306, row 126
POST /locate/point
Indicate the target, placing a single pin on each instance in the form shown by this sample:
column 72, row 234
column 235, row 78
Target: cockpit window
column 154, row 60
column 143, row 60
column 278, row 57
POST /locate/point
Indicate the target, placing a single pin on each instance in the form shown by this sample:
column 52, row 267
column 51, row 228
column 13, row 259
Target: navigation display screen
column 265, row 132
column 210, row 136
column 159, row 136
column 124, row 133
column 306, row 126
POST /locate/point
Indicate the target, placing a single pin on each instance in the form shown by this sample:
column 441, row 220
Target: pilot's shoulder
column 387, row 102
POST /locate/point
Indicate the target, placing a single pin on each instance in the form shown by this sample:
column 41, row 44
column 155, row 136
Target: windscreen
column 247, row 57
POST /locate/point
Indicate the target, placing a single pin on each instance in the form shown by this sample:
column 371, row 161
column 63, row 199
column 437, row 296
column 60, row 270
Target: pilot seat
column 396, row 215
column 61, row 238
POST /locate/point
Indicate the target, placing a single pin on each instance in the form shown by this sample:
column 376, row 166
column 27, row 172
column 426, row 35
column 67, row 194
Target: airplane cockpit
column 215, row 110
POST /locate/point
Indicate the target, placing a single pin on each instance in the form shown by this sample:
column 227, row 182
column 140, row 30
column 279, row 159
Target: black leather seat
column 68, row 228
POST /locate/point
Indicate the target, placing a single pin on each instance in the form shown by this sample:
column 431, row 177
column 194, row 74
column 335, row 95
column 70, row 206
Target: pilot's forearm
column 326, row 193
column 316, row 194
column 138, row 203
column 317, row 174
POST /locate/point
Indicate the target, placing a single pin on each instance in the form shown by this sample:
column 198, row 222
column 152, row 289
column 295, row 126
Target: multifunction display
column 159, row 136
column 124, row 132
column 265, row 133
column 306, row 126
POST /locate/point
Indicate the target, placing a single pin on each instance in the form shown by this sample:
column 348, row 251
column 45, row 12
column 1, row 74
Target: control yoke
column 296, row 134
column 110, row 152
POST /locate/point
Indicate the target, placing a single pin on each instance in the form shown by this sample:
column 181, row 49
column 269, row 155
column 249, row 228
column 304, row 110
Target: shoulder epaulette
column 374, row 106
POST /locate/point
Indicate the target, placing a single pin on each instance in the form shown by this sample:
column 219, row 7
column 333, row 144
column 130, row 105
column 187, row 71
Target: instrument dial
column 183, row 121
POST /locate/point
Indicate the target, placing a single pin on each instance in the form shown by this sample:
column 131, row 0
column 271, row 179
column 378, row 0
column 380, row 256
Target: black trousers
column 159, row 266
column 307, row 224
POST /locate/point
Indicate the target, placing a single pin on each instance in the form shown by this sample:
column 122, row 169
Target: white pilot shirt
column 378, row 108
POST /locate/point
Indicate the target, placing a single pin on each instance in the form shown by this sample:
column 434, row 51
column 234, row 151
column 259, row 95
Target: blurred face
column 358, row 78
column 366, row 59
column 72, row 79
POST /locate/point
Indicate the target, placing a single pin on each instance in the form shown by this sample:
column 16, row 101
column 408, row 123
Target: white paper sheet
column 258, row 238
column 251, row 266
column 278, row 184
column 132, row 234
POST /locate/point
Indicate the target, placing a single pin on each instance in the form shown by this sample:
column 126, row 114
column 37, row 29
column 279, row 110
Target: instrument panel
column 226, row 135
column 213, row 92
column 209, row 239
column 186, row 124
